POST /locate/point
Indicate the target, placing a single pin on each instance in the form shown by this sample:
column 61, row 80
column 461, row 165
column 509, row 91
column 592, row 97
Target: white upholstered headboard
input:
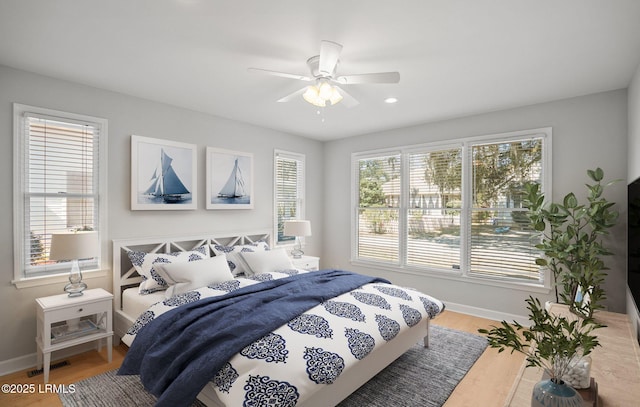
column 125, row 275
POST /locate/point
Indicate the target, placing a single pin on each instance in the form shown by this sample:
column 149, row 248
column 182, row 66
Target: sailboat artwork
column 234, row 187
column 165, row 183
column 163, row 174
column 229, row 179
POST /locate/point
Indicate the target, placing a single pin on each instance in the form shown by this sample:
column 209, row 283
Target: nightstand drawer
column 309, row 263
column 77, row 311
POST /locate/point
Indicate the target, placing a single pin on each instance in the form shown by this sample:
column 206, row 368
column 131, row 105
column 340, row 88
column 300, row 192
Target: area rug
column 421, row 378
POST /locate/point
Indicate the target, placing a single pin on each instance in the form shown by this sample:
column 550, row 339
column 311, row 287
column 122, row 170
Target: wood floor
column 487, row 384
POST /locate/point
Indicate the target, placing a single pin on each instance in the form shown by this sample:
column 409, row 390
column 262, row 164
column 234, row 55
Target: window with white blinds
column 288, row 191
column 58, row 184
column 453, row 208
column 500, row 235
column 434, row 208
column 378, row 210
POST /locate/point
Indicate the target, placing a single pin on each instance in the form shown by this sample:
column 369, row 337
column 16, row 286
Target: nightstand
column 65, row 321
column 309, row 263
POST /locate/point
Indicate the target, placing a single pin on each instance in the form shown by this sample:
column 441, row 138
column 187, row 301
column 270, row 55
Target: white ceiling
column 455, row 57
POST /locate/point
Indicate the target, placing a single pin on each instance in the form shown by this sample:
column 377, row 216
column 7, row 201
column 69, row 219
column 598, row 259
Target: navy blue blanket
column 180, row 351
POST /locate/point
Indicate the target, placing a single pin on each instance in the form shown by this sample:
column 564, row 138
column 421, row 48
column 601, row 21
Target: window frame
column 20, row 185
column 467, row 143
column 300, row 189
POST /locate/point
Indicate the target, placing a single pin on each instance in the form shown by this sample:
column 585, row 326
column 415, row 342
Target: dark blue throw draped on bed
column 180, row 351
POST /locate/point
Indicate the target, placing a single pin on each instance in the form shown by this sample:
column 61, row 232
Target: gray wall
column 588, row 131
column 128, row 115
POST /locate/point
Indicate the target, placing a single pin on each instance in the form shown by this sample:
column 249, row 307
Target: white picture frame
column 229, row 179
column 164, row 174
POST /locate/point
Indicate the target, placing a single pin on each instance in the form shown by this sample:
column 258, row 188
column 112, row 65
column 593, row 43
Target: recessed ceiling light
column 390, row 100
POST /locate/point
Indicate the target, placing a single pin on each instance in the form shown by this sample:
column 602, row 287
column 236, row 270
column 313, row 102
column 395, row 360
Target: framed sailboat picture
column 229, row 179
column 163, row 174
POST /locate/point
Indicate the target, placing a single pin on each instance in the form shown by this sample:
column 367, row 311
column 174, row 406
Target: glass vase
column 555, row 393
column 579, row 373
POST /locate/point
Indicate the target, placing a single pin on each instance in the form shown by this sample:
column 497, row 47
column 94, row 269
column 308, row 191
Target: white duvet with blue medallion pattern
column 289, row 364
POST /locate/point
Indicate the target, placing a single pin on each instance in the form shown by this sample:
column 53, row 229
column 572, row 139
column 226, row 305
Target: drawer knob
column 80, row 309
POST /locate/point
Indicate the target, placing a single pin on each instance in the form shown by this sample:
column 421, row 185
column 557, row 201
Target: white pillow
column 145, row 263
column 236, row 263
column 267, row 261
column 183, row 277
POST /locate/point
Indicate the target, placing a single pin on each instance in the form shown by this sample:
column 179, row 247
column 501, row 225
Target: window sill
column 55, row 279
column 458, row 276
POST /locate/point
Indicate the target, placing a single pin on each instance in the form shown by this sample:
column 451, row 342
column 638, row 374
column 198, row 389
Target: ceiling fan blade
column 281, row 74
column 380, row 77
column 347, row 99
column 292, row 95
column 329, row 54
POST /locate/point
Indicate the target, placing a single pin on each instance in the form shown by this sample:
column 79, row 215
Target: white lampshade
column 336, row 97
column 73, row 245
column 311, row 96
column 324, row 90
column 297, row 228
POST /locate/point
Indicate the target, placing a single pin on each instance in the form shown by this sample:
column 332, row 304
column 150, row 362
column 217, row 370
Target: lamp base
column 75, row 289
column 75, row 286
column 297, row 253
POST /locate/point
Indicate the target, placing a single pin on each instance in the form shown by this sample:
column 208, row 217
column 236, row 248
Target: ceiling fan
column 326, row 89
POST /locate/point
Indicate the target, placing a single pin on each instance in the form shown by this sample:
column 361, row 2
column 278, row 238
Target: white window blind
column 288, row 191
column 455, row 207
column 378, row 211
column 59, row 191
column 434, row 209
column 501, row 240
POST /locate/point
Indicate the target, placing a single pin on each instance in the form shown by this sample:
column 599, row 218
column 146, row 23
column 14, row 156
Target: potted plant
column 572, row 242
column 552, row 342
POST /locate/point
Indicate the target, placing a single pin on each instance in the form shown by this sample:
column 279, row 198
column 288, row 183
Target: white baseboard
column 29, row 361
column 487, row 313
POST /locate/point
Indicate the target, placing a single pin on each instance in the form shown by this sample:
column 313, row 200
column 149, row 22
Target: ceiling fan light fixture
column 325, row 90
column 312, row 96
column 320, row 94
column 323, row 69
column 336, row 97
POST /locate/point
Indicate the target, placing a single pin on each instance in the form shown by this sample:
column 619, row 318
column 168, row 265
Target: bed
column 388, row 343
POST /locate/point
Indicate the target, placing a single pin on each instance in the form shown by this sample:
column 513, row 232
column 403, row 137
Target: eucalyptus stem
column 551, row 343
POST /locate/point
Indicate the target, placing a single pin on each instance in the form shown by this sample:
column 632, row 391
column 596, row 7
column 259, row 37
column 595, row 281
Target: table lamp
column 297, row 228
column 71, row 246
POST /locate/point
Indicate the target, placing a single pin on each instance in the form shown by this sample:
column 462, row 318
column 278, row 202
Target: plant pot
column 555, row 393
